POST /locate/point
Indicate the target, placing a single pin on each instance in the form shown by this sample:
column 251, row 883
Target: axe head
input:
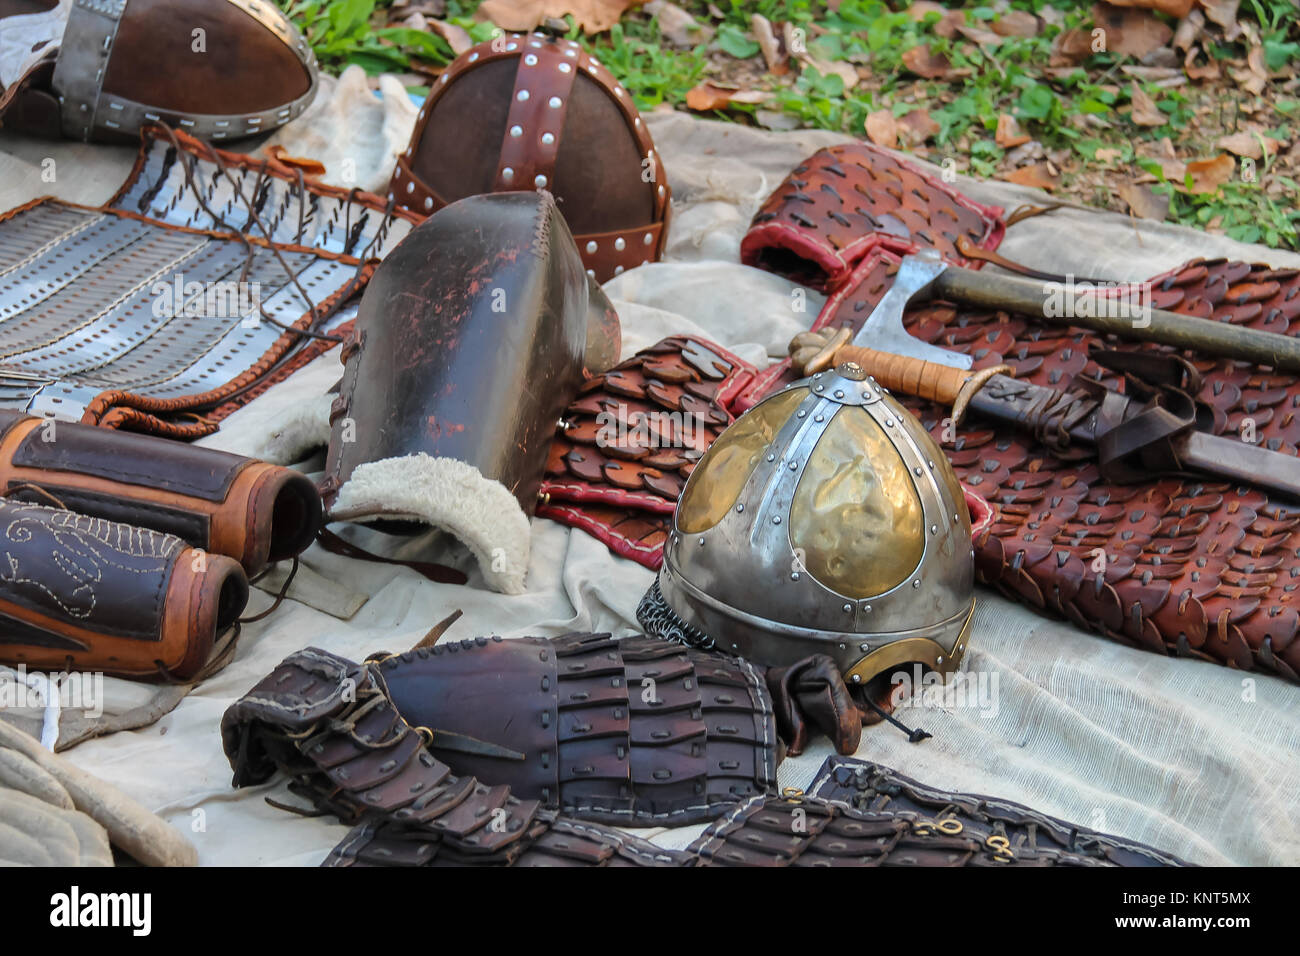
column 883, row 330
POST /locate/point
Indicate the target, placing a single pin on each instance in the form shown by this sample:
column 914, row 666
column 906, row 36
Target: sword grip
column 908, row 375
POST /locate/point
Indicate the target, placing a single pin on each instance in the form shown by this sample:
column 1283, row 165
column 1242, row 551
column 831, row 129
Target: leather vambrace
column 84, row 593
column 248, row 510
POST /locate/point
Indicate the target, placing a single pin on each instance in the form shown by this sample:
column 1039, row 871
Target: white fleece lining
column 450, row 495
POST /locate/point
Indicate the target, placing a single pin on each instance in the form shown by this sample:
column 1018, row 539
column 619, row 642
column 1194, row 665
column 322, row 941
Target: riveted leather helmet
column 103, row 69
column 824, row 520
column 527, row 111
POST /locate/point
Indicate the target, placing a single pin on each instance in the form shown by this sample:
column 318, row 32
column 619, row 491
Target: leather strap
column 438, row 573
column 538, row 105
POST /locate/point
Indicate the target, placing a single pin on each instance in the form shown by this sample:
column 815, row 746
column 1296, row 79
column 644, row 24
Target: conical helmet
column 824, row 520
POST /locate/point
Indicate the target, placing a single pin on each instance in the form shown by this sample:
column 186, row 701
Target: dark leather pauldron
column 634, row 732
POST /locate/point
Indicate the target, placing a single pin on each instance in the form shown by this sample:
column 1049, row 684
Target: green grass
column 1011, row 79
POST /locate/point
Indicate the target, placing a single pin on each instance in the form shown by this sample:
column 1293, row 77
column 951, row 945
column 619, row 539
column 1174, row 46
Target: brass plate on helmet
column 719, row 478
column 856, row 516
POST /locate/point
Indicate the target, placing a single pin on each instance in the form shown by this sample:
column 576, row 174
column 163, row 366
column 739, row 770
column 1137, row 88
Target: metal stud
column 701, row 542
column 771, row 457
column 591, row 273
column 473, row 57
column 864, row 647
column 555, row 102
column 794, row 575
column 530, row 60
column 916, row 583
column 801, row 413
column 740, row 508
column 848, row 609
column 839, row 393
column 647, row 239
column 565, row 68
column 516, row 131
column 889, row 423
column 819, row 418
column 428, row 203
column 539, row 182
column 619, row 244
column 916, row 470
column 867, row 608
column 410, row 187
column 776, row 519
column 548, row 139
column 591, row 247
column 934, row 529
column 618, row 270
column 522, row 96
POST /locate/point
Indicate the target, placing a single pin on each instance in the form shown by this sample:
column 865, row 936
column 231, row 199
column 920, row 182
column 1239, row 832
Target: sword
column 1121, row 428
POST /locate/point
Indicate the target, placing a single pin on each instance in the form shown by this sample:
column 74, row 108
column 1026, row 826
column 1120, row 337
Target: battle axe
column 1121, row 311
column 1135, row 439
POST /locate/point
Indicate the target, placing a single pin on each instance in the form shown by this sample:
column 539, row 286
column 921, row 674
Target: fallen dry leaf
column 920, row 8
column 1207, row 71
column 924, row 63
column 1175, row 8
column 1142, row 202
column 1254, row 77
column 1008, row 132
column 1248, row 144
column 1016, row 23
column 917, row 126
column 1129, row 31
column 845, row 71
column 979, row 35
column 1209, row 174
column 1036, row 176
column 776, row 58
column 594, row 16
column 1071, row 47
column 677, row 26
column 457, row 38
column 1145, row 112
column 1189, row 30
column 1224, row 13
column 711, row 96
column 882, row 128
column 1107, row 155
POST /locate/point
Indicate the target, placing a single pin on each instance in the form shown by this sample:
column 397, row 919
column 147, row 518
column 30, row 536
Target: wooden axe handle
column 908, row 375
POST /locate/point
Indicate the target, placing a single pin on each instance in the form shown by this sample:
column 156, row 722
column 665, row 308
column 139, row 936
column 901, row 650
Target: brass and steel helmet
column 528, row 111
column 824, row 520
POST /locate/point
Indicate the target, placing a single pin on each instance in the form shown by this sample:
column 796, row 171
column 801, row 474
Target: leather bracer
column 248, row 510
column 84, row 593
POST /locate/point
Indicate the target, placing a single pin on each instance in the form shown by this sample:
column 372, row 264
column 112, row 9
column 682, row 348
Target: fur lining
column 450, row 495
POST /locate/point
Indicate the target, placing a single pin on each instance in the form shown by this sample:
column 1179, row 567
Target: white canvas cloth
column 1193, row 758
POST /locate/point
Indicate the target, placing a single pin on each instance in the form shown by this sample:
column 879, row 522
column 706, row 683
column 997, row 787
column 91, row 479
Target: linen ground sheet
column 1196, row 759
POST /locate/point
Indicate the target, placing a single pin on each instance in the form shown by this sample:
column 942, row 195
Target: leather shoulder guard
column 85, row 593
column 248, row 510
column 471, row 339
column 627, row 444
column 637, row 732
column 845, row 201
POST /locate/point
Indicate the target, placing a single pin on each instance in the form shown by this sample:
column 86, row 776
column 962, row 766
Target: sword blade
column 1241, row 461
